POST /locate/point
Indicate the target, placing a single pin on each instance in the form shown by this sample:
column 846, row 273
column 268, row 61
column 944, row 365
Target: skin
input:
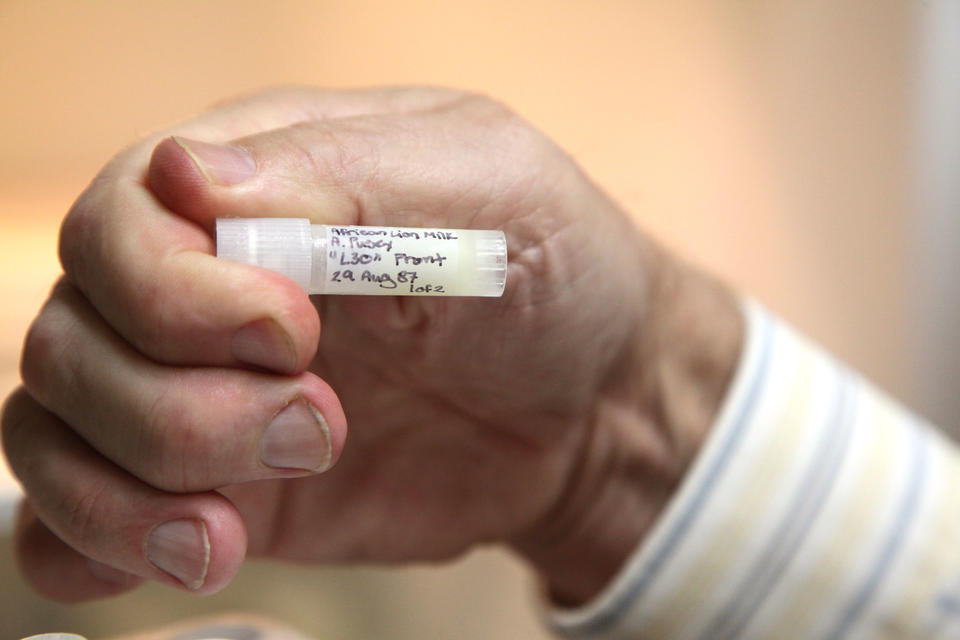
column 556, row 420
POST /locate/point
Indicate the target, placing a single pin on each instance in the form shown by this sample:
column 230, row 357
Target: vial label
column 391, row 261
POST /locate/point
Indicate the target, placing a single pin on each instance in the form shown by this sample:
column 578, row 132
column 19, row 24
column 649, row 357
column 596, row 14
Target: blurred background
column 807, row 152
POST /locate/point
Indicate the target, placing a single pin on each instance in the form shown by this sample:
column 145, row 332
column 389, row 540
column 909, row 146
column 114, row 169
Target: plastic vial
column 393, row 261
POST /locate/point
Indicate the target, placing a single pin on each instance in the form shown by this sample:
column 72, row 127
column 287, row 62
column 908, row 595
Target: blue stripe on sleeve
column 809, row 495
column 906, row 511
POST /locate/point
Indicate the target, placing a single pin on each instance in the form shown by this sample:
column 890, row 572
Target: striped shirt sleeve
column 817, row 508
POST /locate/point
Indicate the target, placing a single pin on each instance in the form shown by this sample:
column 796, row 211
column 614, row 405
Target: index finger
column 150, row 273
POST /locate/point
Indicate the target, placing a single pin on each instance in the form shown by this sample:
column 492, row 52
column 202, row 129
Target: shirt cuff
column 817, row 507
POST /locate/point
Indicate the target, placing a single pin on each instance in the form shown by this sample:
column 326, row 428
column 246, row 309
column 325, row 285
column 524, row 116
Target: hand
column 178, row 410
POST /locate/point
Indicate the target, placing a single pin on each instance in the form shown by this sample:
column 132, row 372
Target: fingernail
column 297, row 438
column 220, row 164
column 182, row 549
column 263, row 343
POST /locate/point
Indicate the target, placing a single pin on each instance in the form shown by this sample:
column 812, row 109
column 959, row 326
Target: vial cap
column 490, row 264
column 283, row 245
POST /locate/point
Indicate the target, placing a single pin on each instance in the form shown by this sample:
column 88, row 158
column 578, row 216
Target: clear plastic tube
column 395, row 261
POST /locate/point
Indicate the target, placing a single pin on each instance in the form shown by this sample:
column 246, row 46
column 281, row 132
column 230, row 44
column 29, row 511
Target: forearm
column 649, row 420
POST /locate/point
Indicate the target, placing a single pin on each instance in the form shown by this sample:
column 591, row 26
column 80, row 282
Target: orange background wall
column 766, row 141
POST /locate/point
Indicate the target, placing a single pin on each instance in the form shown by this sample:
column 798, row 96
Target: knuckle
column 14, row 419
column 170, row 317
column 174, row 450
column 151, row 327
column 85, row 511
column 39, row 348
column 77, row 233
column 505, row 128
column 154, row 310
column 340, row 154
column 47, row 354
column 95, row 228
column 488, row 109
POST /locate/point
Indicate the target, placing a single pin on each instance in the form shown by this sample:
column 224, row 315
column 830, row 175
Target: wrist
column 647, row 424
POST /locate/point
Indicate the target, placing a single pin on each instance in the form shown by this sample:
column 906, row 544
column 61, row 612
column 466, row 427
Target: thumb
column 436, row 167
